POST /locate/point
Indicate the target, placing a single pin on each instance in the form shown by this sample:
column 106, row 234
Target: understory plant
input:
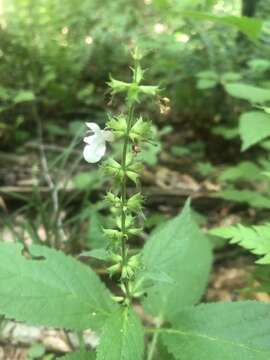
column 152, row 313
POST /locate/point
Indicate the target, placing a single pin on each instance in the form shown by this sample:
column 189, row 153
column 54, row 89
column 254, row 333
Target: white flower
column 96, row 143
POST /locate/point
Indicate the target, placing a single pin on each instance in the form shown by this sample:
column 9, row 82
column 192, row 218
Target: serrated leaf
column 226, row 331
column 181, row 251
column 56, row 290
column 253, row 94
column 254, row 238
column 122, row 337
column 79, row 355
column 254, row 127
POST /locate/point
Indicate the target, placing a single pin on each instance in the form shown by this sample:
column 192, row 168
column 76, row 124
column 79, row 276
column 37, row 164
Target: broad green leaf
column 224, row 331
column 253, row 94
column 24, row 96
column 52, row 290
column 95, row 234
column 249, row 26
column 179, row 250
column 79, row 355
column 253, row 198
column 254, row 127
column 122, row 337
column 254, row 238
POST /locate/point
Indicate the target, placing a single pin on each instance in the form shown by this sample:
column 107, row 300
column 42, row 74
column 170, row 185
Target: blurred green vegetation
column 210, row 57
column 59, row 56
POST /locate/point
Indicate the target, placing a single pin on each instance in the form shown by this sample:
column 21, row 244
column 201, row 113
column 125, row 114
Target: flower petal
column 107, row 135
column 93, row 152
column 93, row 126
column 89, row 139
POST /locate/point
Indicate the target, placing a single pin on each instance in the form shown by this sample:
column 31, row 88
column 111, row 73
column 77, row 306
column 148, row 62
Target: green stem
column 153, row 344
column 124, row 196
column 124, row 250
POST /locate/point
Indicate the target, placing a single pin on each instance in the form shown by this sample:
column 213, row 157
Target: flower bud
column 137, row 54
column 118, row 125
column 127, row 272
column 113, row 199
column 135, row 261
column 114, row 269
column 134, row 203
column 134, row 231
column 113, row 168
column 118, row 86
column 113, row 234
column 141, row 130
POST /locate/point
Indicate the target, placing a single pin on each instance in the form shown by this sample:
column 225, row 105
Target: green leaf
column 182, row 252
column 204, row 84
column 253, row 198
column 96, row 238
column 79, row 355
column 88, row 180
column 249, row 26
column 253, row 94
column 207, row 75
column 24, row 96
column 122, row 337
column 231, row 76
column 245, row 170
column 225, row 132
column 100, row 254
column 225, row 331
column 52, row 290
column 254, row 127
column 254, row 238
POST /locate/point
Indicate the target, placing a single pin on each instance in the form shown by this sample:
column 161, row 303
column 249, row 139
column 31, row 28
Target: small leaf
column 183, row 253
column 224, row 331
column 231, row 76
column 207, row 75
column 24, row 96
column 204, row 84
column 56, row 290
column 100, row 254
column 254, row 127
column 122, row 337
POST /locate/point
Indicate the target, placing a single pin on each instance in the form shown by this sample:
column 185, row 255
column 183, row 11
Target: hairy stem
column 124, row 196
